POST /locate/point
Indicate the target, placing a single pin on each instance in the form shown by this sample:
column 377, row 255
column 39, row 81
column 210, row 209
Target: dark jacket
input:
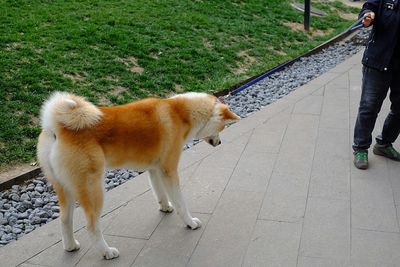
column 385, row 33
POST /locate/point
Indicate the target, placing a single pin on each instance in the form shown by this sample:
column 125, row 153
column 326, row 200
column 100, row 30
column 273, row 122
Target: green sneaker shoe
column 361, row 159
column 386, row 151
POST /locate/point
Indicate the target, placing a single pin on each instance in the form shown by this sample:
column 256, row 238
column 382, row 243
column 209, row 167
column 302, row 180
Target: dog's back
column 135, row 135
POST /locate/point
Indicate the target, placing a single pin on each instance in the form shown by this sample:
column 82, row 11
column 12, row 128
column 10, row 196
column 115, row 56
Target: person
column 381, row 71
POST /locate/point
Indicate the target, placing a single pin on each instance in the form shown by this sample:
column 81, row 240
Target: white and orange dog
column 79, row 140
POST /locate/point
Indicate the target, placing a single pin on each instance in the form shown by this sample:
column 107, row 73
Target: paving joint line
column 274, row 165
column 309, row 181
column 376, row 231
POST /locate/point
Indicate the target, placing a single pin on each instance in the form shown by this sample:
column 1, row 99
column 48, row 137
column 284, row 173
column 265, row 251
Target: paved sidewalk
column 281, row 190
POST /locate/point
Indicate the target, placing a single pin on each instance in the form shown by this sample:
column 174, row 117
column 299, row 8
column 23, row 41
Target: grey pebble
column 30, row 187
column 17, row 231
column 27, row 204
column 38, row 202
column 29, row 229
column 55, row 208
column 12, row 220
column 23, row 215
column 39, row 189
column 14, row 197
column 35, row 220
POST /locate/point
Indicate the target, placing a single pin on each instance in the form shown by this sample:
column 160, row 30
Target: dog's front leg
column 159, row 191
column 173, row 190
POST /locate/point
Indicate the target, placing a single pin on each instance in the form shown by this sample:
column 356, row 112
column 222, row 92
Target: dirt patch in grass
column 246, row 62
column 117, row 90
column 132, row 64
column 137, row 69
column 34, row 121
column 75, row 77
column 13, row 46
column 155, row 55
column 111, row 78
column 278, row 52
column 104, row 101
column 207, row 44
column 178, row 88
column 299, row 27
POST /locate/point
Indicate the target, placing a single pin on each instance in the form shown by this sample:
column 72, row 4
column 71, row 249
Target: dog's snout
column 215, row 142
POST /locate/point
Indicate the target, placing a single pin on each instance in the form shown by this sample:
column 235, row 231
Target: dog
column 79, row 141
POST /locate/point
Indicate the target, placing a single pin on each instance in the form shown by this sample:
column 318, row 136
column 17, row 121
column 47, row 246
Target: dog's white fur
column 79, row 140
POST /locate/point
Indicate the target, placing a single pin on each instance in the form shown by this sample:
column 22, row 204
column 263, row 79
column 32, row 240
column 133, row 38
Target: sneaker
column 361, row 159
column 387, row 151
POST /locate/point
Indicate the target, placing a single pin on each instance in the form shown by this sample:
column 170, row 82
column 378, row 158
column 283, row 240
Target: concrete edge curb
column 20, row 178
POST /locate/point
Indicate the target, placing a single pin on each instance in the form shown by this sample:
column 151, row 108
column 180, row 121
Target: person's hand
column 368, row 19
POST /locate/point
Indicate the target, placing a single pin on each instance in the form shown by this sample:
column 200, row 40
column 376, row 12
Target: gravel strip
column 26, row 207
column 301, row 72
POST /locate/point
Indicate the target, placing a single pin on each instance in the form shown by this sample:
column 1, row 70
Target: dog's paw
column 72, row 246
column 111, row 253
column 166, row 208
column 194, row 223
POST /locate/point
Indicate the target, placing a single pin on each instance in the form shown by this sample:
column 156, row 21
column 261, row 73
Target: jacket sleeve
column 370, row 5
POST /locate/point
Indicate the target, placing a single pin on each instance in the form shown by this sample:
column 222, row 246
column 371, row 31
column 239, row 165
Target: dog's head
column 220, row 117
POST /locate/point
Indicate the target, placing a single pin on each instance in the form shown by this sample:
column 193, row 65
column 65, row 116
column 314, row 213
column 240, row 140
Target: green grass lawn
column 115, row 51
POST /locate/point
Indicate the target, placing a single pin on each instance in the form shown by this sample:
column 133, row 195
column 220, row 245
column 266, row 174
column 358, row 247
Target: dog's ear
column 227, row 115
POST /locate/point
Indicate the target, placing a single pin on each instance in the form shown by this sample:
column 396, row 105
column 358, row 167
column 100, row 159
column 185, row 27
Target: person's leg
column 375, row 85
column 391, row 127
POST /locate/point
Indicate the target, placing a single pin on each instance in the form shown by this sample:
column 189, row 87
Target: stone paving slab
column 274, row 244
column 171, row 245
column 281, row 190
column 326, row 229
column 228, row 232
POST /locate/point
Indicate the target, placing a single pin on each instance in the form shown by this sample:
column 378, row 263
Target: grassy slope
column 98, row 49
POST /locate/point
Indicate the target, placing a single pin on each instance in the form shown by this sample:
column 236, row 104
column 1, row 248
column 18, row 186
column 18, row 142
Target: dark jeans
column 375, row 85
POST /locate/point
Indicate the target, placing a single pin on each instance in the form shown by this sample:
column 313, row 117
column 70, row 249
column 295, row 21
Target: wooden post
column 307, row 7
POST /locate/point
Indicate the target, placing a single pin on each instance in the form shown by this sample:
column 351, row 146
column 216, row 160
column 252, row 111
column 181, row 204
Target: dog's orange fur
column 147, row 134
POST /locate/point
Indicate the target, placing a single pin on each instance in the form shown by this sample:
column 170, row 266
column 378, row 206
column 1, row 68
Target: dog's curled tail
column 71, row 111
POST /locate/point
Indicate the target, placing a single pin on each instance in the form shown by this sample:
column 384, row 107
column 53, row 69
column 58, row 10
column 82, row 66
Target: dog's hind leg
column 46, row 147
column 159, row 191
column 91, row 200
column 67, row 206
column 171, row 181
